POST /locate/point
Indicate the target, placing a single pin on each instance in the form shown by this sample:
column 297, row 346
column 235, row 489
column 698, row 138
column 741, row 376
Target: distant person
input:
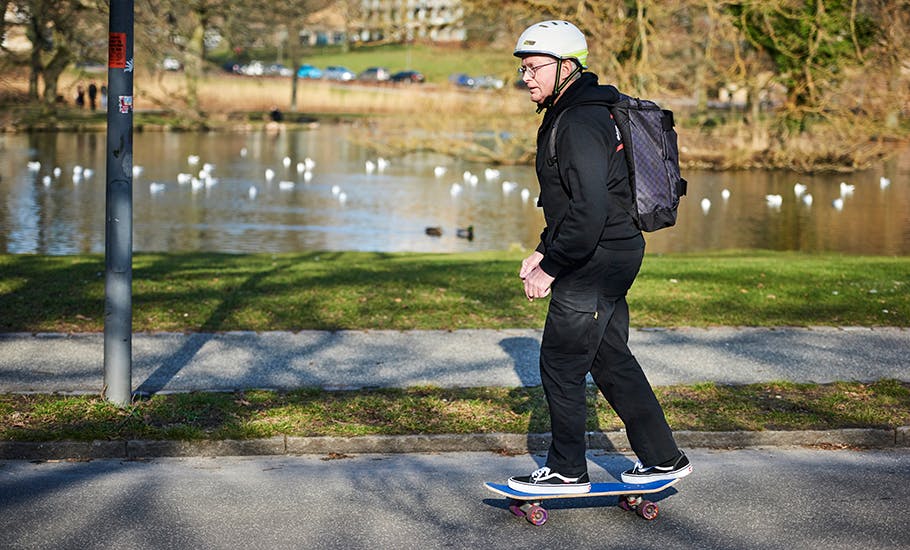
column 80, row 96
column 589, row 255
column 275, row 114
column 92, row 96
column 103, row 97
column 275, row 124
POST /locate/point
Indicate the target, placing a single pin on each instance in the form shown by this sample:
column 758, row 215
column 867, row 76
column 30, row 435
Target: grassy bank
column 333, row 291
column 308, row 413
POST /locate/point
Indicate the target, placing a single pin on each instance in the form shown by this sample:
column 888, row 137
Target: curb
column 382, row 444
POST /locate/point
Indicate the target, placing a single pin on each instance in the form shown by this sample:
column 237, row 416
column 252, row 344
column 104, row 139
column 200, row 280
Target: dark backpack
column 649, row 143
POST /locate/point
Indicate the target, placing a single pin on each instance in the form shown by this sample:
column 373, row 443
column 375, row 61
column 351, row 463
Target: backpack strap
column 551, row 149
column 627, row 151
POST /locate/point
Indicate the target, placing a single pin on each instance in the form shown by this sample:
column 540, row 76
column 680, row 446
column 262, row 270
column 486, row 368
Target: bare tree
column 887, row 57
column 293, row 15
column 59, row 31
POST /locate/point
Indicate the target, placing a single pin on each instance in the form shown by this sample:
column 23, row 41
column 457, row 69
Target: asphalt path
column 746, row 499
column 174, row 362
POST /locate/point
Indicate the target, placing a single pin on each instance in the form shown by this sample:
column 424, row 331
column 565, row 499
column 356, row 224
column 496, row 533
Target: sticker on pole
column 126, row 104
column 116, row 50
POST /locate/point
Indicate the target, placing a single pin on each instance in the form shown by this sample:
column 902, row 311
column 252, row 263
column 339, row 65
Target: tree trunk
column 34, row 35
column 195, row 53
column 52, row 71
column 642, row 69
column 294, row 56
column 4, row 4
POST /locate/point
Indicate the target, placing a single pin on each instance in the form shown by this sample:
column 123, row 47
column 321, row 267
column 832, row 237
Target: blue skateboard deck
column 527, row 505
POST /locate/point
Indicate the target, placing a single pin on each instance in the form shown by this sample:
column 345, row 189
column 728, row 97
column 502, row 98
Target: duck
column 725, row 194
column 799, row 189
column 465, row 233
column 705, row 205
column 491, row 174
column 433, row 231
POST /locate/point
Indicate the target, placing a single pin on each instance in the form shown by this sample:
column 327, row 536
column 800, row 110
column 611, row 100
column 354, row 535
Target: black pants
column 587, row 330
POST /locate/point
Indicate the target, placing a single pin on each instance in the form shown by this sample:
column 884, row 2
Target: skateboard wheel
column 515, row 507
column 537, row 515
column 647, row 510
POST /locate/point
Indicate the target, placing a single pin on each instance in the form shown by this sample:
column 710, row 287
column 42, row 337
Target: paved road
column 748, row 499
column 465, row 358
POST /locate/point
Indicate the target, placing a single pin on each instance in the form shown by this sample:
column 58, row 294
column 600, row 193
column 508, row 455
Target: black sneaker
column 546, row 482
column 678, row 468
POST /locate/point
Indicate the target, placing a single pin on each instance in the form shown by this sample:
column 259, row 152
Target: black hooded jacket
column 586, row 197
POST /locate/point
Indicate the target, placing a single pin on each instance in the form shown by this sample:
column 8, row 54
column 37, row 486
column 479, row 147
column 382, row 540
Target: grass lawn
column 352, row 290
column 312, row 412
column 333, row 291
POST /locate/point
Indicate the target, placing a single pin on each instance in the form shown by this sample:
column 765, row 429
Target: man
column 589, row 255
column 92, row 95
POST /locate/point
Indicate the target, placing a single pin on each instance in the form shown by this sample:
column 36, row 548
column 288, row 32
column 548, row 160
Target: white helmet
column 559, row 39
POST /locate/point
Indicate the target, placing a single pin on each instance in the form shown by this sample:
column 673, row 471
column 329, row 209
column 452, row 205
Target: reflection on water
column 340, row 205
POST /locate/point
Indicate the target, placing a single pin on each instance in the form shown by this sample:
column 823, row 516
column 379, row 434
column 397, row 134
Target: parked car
column 487, row 81
column 374, row 74
column 462, row 80
column 408, row 76
column 253, row 68
column 309, row 71
column 277, row 69
column 336, row 72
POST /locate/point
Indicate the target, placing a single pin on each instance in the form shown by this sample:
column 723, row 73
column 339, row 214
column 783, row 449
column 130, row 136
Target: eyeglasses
column 532, row 70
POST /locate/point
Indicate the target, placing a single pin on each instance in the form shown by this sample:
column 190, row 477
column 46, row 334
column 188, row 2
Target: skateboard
column 528, row 505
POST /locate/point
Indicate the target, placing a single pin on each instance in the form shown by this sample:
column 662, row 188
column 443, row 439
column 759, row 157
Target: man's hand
column 537, row 284
column 529, row 264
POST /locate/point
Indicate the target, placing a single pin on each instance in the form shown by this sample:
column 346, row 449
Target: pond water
column 339, row 204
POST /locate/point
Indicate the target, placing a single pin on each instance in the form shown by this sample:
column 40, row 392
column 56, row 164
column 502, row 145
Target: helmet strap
column 558, row 86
